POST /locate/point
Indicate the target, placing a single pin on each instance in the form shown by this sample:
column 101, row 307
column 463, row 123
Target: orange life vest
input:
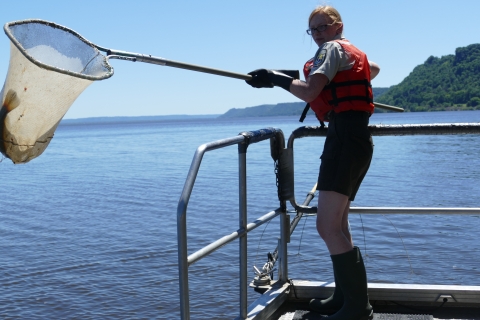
column 348, row 90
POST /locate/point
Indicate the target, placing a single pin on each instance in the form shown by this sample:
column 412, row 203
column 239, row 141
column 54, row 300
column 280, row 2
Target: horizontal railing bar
column 394, row 130
column 414, row 210
column 424, row 129
column 398, row 210
column 263, row 134
column 221, row 143
column 205, row 251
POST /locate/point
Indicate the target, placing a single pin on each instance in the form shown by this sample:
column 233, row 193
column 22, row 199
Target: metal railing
column 243, row 140
column 287, row 177
column 284, row 156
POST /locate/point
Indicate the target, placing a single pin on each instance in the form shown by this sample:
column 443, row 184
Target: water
column 88, row 230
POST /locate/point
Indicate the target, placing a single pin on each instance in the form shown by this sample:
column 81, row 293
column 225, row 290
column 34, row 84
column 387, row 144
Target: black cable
column 364, row 240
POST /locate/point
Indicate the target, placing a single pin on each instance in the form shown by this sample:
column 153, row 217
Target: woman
column 338, row 89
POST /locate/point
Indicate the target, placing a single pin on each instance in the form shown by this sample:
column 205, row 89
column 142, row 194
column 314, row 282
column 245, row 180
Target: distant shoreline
column 258, row 112
column 130, row 119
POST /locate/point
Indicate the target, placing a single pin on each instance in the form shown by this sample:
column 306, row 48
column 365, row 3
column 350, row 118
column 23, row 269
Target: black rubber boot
column 331, row 304
column 352, row 279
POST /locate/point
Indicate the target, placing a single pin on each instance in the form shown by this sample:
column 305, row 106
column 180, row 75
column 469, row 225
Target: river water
column 88, row 230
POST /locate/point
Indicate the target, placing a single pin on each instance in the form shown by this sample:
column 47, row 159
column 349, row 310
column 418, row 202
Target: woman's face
column 331, row 31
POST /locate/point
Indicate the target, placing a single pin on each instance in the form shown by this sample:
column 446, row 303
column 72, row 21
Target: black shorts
column 347, row 153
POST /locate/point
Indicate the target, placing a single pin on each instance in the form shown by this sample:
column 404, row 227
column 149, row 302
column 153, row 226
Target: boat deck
column 289, row 301
column 300, row 311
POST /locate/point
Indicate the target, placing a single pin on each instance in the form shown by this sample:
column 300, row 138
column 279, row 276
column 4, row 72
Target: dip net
column 50, row 66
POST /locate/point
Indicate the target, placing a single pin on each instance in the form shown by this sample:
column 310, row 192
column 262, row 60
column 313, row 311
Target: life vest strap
column 304, row 113
column 348, row 83
column 336, row 100
column 334, row 85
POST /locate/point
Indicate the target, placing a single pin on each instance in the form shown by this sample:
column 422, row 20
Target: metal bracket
column 446, row 298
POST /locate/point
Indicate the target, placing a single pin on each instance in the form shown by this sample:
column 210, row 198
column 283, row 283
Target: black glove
column 264, row 78
column 260, row 79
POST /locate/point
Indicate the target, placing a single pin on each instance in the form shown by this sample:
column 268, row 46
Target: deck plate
column 309, row 315
column 390, row 316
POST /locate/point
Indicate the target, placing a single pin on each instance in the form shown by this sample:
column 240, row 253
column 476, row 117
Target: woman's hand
column 264, row 78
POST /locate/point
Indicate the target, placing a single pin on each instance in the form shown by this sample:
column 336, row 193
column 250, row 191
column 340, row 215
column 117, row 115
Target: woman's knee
column 324, row 229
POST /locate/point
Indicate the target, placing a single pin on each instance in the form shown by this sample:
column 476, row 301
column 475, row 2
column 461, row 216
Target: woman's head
column 325, row 24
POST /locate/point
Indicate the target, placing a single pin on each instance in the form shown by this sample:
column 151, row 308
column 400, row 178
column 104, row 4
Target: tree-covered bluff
column 451, row 82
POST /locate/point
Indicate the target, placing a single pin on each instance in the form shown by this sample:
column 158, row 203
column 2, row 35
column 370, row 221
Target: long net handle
column 117, row 54
column 387, row 107
column 176, row 64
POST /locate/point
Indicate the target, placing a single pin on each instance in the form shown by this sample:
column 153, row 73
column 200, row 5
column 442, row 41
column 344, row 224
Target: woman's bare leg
column 345, row 225
column 330, row 221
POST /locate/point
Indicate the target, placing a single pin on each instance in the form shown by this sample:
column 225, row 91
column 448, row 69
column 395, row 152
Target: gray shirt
column 331, row 58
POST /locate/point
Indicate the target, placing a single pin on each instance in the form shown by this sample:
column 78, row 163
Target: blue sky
column 238, row 36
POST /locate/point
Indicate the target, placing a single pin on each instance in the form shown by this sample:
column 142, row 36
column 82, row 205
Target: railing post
column 282, row 245
column 183, row 268
column 184, row 261
column 242, row 225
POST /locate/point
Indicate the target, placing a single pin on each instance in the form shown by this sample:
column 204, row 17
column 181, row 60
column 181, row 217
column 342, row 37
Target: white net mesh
column 49, row 67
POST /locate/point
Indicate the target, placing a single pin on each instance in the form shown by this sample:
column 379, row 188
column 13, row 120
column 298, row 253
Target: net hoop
column 19, row 46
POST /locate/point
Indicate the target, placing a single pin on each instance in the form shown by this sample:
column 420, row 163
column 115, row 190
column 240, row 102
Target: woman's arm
column 309, row 90
column 374, row 69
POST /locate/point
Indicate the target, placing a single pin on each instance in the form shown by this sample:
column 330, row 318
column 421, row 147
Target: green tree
column 450, row 81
